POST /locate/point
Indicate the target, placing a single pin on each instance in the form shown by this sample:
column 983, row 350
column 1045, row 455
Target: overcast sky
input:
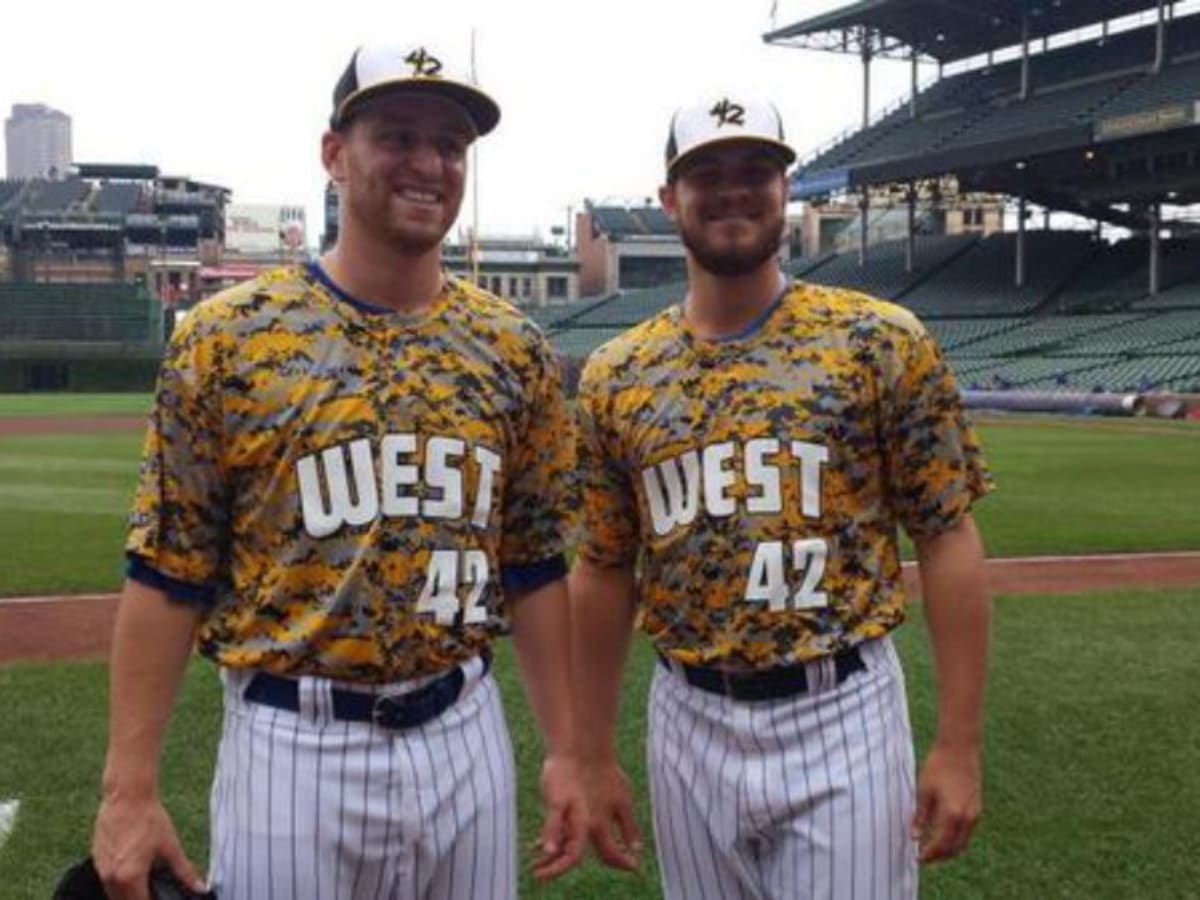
column 237, row 93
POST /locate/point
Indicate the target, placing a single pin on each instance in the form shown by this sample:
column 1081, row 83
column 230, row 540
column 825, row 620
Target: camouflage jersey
column 346, row 489
column 758, row 482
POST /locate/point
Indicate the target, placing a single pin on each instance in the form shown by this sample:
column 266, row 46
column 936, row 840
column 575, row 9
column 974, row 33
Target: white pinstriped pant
column 806, row 797
column 308, row 807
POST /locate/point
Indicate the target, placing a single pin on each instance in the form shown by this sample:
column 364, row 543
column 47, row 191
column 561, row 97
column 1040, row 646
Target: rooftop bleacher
column 118, row 197
column 634, row 221
column 654, row 220
column 615, row 220
column 57, row 196
column 9, row 189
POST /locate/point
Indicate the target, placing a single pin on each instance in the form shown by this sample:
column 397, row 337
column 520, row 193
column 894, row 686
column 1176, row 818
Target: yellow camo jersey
column 758, row 483
column 352, row 483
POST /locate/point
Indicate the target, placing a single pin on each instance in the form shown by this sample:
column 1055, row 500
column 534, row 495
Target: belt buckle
column 398, row 711
column 388, row 711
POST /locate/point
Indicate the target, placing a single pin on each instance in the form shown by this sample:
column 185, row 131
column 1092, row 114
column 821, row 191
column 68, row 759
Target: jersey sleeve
column 609, row 533
column 179, row 524
column 538, row 497
column 935, row 466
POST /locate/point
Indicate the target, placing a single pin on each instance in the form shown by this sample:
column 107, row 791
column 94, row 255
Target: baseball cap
column 725, row 119
column 375, row 70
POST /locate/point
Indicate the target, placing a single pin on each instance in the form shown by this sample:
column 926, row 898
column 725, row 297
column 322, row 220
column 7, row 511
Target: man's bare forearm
column 603, row 601
column 541, row 636
column 958, row 611
column 152, row 641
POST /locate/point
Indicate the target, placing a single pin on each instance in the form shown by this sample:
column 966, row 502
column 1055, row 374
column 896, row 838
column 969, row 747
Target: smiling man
column 747, row 457
column 354, row 479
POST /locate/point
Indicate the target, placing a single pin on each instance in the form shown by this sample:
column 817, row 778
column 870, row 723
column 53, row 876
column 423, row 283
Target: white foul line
column 70, row 598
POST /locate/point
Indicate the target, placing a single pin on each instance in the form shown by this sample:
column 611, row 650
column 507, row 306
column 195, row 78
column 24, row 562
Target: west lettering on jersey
column 342, row 485
column 676, row 486
column 782, row 575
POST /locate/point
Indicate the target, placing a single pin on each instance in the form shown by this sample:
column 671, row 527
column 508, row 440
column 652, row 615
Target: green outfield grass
column 1063, row 488
column 1092, row 748
column 63, row 506
column 1076, row 489
column 73, row 404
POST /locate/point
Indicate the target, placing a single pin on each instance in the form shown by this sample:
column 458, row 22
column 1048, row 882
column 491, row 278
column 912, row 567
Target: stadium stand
column 980, row 281
column 1118, row 276
column 1172, row 332
column 1106, row 127
column 629, row 308
column 955, row 334
column 801, row 267
column 884, row 274
column 578, row 343
column 1072, row 84
column 1138, row 350
column 1184, row 296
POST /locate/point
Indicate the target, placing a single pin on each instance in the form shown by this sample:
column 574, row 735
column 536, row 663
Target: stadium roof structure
column 1106, row 127
column 1102, row 122
column 946, row 30
column 117, row 171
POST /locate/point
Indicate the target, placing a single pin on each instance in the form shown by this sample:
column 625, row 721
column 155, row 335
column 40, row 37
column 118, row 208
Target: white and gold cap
column 724, row 120
column 374, row 70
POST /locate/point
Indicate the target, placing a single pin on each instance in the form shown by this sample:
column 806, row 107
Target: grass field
column 1093, row 740
column 1063, row 488
column 73, row 404
column 1092, row 748
column 63, row 505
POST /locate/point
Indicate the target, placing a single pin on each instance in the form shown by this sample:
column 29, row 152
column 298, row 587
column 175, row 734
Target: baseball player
column 746, row 459
column 353, row 481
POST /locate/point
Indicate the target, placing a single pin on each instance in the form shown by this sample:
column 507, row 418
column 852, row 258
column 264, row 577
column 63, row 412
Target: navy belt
column 398, row 711
column 767, row 684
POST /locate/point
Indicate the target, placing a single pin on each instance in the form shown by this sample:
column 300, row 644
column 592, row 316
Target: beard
column 732, row 261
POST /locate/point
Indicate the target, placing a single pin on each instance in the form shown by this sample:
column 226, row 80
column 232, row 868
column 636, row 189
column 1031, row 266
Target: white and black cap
column 725, row 120
column 375, row 70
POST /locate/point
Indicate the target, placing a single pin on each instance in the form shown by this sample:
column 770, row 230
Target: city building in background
column 524, row 270
column 106, row 222
column 626, row 247
column 37, row 142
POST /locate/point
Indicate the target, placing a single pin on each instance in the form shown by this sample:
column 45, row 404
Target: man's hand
column 949, row 802
column 563, row 834
column 129, row 837
column 612, row 827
